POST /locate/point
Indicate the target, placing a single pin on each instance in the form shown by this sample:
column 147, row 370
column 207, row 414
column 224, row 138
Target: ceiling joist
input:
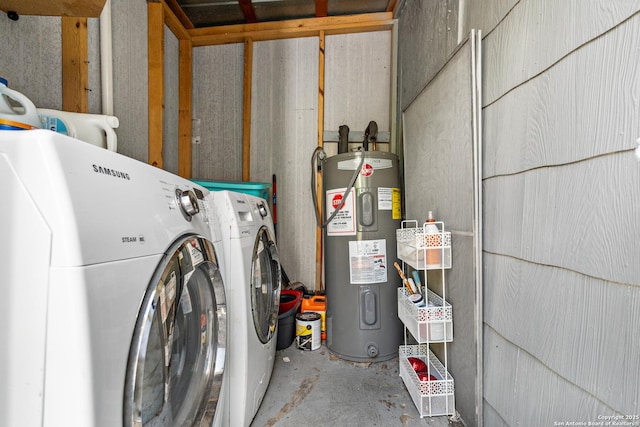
column 291, row 29
column 322, row 8
column 175, row 24
column 85, row 9
column 178, row 12
column 248, row 11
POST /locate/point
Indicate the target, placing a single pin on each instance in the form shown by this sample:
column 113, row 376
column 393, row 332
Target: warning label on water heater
column 396, row 203
column 385, row 199
column 344, row 223
column 367, row 261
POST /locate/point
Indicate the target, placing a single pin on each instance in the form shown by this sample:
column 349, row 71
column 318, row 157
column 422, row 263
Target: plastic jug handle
column 22, row 100
column 29, row 110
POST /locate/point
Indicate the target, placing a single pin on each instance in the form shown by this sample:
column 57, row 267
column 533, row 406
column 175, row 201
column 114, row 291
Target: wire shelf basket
column 433, row 397
column 422, row 247
column 432, row 323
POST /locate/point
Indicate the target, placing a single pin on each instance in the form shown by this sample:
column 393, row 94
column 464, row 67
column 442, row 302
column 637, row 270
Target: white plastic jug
column 24, row 117
column 96, row 129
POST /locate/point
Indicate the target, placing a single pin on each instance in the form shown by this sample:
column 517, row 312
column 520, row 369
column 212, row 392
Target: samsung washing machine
column 113, row 309
column 252, row 278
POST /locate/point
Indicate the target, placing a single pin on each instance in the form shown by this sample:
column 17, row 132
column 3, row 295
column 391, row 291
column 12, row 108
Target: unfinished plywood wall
column 357, row 84
column 283, row 136
column 31, row 61
column 562, row 281
column 94, row 95
column 284, row 123
column 130, row 81
column 31, row 58
column 217, row 108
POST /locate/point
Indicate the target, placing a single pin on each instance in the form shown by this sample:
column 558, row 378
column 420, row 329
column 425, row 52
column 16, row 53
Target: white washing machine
column 113, row 307
column 252, row 277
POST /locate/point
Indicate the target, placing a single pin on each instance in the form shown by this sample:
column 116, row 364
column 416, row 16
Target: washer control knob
column 188, row 202
column 263, row 210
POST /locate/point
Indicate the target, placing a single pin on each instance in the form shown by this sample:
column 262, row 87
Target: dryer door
column 177, row 355
column 265, row 285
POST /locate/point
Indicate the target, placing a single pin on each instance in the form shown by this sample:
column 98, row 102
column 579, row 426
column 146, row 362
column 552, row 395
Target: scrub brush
column 405, row 282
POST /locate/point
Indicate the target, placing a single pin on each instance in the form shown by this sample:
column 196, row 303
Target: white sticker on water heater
column 344, row 223
column 374, row 163
column 367, row 261
column 385, row 199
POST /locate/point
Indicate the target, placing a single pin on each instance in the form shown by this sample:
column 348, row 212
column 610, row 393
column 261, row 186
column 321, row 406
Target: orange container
column 318, row 304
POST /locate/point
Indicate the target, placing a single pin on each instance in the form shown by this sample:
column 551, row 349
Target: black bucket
column 287, row 323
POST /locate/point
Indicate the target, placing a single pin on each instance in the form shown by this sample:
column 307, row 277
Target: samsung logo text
column 111, row 172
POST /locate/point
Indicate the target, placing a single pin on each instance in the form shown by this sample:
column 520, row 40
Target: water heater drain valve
column 372, row 351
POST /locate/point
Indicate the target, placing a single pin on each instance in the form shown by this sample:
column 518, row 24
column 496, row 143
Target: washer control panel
column 187, row 202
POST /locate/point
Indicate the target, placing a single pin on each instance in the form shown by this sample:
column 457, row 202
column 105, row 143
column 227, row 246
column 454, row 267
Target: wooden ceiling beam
column 175, row 23
column 391, row 5
column 276, row 30
column 85, row 8
column 179, row 14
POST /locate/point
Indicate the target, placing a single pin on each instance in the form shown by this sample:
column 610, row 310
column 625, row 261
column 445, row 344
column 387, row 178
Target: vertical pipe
column 476, row 66
column 393, row 107
column 463, row 20
column 106, row 59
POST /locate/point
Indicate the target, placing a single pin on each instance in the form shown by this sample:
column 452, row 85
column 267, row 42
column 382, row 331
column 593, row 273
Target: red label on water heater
column 343, row 222
column 367, row 170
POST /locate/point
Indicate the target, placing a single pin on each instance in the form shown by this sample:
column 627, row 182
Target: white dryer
column 113, row 307
column 252, row 278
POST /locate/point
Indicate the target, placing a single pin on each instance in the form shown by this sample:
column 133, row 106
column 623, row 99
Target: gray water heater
column 359, row 251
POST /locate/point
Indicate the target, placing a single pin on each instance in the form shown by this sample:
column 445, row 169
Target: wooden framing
column 159, row 15
column 319, row 285
column 167, row 12
column 75, row 69
column 292, row 29
column 321, row 89
column 83, row 9
column 246, row 119
column 177, row 11
column 156, row 81
column 175, row 22
column 184, row 109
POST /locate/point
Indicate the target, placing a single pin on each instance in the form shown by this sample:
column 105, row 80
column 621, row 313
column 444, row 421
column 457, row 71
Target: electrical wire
column 319, row 153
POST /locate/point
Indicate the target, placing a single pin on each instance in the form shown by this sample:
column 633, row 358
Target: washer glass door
column 177, row 355
column 265, row 285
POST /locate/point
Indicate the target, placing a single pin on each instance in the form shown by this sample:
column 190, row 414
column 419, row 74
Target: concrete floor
column 316, row 388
